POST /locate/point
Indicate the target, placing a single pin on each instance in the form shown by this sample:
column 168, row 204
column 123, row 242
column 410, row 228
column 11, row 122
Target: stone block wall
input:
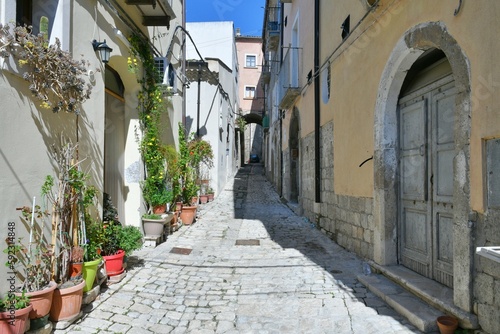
column 346, row 220
column 487, row 276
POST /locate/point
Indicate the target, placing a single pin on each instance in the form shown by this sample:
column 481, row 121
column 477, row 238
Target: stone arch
column 411, row 45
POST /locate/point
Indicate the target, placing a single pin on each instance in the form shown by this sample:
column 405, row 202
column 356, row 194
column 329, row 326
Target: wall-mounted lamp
column 104, row 50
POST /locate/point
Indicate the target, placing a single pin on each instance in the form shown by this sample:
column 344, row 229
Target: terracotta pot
column 114, row 263
column 203, row 199
column 153, row 227
column 188, row 214
column 75, row 269
column 159, row 209
column 67, row 302
column 18, row 324
column 194, row 200
column 89, row 272
column 447, row 324
column 210, row 197
column 41, row 300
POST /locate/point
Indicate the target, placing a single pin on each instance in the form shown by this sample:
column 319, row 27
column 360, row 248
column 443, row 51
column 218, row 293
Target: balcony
column 289, row 78
column 273, row 28
column 154, row 12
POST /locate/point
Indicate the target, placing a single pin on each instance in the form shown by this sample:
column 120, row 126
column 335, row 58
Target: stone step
column 419, row 299
column 418, row 313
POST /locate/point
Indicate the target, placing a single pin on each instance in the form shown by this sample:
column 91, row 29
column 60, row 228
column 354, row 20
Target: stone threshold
column 420, row 299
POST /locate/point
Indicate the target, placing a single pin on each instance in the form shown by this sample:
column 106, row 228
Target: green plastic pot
column 89, row 272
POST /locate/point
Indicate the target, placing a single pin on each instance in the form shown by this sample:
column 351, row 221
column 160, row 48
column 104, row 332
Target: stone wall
column 306, row 192
column 346, row 220
column 487, row 277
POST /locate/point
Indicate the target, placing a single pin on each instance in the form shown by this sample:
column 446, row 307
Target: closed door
column 426, row 132
column 114, row 150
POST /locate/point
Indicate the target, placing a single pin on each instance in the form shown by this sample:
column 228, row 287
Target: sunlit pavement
column 255, row 267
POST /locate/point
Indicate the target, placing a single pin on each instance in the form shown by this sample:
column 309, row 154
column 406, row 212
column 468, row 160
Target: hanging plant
column 55, row 77
column 157, row 184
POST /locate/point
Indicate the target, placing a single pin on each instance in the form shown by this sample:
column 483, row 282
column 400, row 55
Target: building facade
column 250, row 59
column 212, row 96
column 382, row 131
column 106, row 127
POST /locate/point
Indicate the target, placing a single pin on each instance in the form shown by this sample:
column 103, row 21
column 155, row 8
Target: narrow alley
column 255, row 267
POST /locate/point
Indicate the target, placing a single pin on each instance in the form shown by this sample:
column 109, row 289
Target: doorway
column 426, row 152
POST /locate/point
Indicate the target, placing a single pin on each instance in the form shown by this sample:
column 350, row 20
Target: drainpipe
column 317, row 151
column 282, row 19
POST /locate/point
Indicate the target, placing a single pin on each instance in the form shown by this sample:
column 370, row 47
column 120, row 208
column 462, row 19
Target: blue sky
column 246, row 14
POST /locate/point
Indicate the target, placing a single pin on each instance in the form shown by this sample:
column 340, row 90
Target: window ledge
column 492, row 253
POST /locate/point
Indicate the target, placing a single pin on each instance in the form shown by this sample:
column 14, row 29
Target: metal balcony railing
column 289, row 82
column 273, row 27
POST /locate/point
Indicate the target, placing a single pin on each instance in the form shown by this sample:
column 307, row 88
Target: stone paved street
column 295, row 281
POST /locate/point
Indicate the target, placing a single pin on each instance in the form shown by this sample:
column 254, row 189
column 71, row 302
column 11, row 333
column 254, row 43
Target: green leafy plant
column 111, row 242
column 156, row 186
column 241, row 123
column 130, row 239
column 55, row 78
column 19, row 302
column 156, row 193
column 151, row 216
column 95, row 239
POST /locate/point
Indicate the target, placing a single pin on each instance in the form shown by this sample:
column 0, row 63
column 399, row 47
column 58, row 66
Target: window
column 24, row 12
column 251, row 61
column 346, row 27
column 249, row 92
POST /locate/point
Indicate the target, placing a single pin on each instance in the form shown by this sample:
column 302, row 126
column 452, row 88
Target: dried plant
column 55, row 77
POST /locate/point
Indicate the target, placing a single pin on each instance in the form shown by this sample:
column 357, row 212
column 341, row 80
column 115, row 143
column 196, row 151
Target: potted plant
column 31, row 263
column 130, row 239
column 70, row 197
column 111, row 251
column 14, row 312
column 157, row 195
column 76, row 264
column 92, row 252
column 153, row 225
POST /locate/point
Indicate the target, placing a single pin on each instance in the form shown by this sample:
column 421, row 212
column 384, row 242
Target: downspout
column 317, row 114
column 282, row 19
column 184, row 90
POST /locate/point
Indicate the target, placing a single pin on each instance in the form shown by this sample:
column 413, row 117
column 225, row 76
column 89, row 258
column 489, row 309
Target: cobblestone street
column 255, row 267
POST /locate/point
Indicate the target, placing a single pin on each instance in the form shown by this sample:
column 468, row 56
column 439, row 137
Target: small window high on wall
column 249, row 92
column 251, row 61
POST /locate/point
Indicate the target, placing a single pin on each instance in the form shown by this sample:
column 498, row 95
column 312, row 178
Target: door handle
column 422, row 150
column 432, row 179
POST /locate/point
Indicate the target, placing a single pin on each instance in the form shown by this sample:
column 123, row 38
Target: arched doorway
column 389, row 160
column 293, row 144
column 114, row 141
column 426, row 150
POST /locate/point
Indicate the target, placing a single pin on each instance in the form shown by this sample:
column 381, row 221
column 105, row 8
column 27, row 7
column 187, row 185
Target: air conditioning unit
column 166, row 73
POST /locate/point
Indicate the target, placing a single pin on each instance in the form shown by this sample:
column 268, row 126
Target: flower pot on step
column 447, row 324
column 17, row 324
column 188, row 214
column 114, row 263
column 75, row 269
column 67, row 302
column 159, row 209
column 41, row 301
column 203, row 199
column 153, row 227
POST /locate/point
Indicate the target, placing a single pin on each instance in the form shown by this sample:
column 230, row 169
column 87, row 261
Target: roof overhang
column 156, row 13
